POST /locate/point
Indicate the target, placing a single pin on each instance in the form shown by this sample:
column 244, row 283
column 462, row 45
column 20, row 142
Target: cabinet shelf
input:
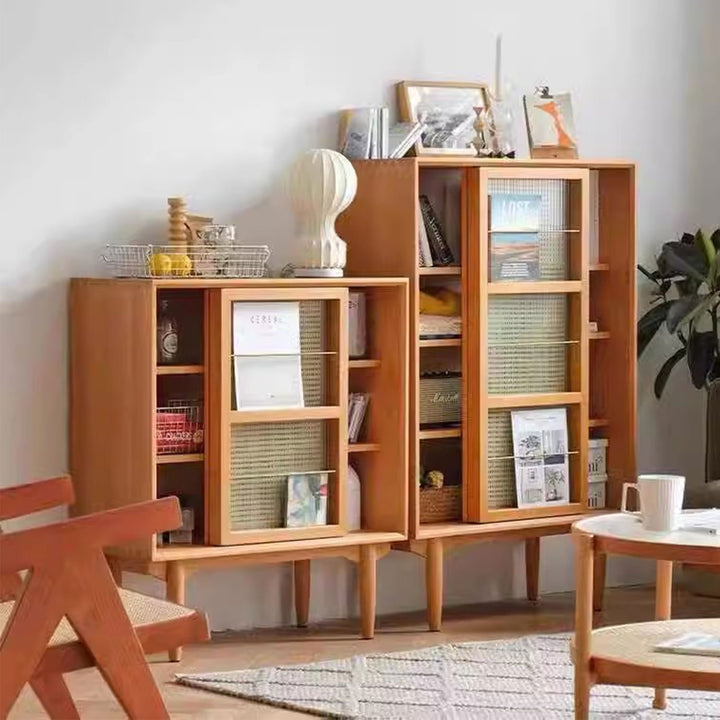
column 440, row 433
column 440, row 342
column 599, row 335
column 598, row 422
column 179, row 369
column 321, row 412
column 363, row 447
column 180, row 458
column 534, row 400
column 599, row 267
column 441, row 270
column 369, row 363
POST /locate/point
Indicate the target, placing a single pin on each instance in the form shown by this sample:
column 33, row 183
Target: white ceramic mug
column 661, row 499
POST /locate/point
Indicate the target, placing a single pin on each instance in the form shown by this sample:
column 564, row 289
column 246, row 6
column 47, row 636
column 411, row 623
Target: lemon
column 161, row 264
column 181, row 265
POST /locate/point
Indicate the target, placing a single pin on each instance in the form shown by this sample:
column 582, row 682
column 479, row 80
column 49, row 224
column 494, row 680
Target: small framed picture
column 307, row 500
column 447, row 110
column 550, row 125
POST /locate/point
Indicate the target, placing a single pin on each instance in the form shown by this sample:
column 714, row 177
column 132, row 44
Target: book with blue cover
column 514, row 237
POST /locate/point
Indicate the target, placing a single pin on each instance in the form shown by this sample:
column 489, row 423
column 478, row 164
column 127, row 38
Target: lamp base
column 300, row 272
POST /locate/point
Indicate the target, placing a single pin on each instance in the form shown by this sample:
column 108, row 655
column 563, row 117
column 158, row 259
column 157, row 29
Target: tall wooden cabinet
column 523, row 344
column 232, row 464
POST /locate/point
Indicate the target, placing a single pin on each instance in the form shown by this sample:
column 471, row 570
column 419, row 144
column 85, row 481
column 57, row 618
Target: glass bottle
column 167, row 335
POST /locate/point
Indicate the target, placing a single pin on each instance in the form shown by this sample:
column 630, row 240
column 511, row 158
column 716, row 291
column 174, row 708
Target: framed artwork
column 307, row 496
column 446, row 109
column 550, row 124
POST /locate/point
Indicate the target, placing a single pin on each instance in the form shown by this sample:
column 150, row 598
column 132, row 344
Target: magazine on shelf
column 266, row 355
column 306, row 500
column 514, row 237
column 540, row 450
column 357, row 407
column 439, row 248
column 691, row 643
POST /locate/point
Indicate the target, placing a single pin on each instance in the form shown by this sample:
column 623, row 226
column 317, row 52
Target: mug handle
column 623, row 502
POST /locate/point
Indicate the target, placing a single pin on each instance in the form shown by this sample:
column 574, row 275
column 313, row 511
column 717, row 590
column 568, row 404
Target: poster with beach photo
column 540, row 447
column 514, row 237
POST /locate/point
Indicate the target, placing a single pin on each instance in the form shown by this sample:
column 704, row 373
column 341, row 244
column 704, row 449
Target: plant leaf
column 715, row 239
column 665, row 370
column 680, row 310
column 662, row 288
column 682, row 259
column 687, row 286
column 649, row 324
column 649, row 275
column 701, row 356
column 687, row 238
column 706, row 247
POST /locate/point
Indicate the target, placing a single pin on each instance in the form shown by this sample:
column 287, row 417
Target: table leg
column 368, row 590
column 434, row 582
column 599, row 581
column 532, row 568
column 301, row 579
column 175, row 592
column 584, row 561
column 663, row 608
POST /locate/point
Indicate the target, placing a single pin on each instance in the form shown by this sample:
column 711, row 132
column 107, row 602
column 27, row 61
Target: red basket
column 179, row 429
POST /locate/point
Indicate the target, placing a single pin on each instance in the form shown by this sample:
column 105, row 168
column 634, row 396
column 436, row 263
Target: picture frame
column 550, row 125
column 447, row 110
column 306, row 502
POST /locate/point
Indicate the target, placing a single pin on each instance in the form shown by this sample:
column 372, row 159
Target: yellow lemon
column 181, row 265
column 161, row 264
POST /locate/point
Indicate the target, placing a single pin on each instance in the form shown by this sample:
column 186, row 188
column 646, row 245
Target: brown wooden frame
column 69, row 577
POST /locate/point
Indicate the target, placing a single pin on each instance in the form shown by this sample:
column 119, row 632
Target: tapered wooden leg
column 599, row 581
column 434, row 582
column 532, row 568
column 584, row 557
column 116, row 570
column 175, row 592
column 54, row 696
column 118, row 654
column 301, row 577
column 663, row 610
column 368, row 590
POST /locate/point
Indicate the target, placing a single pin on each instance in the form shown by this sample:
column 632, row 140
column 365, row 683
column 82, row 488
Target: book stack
column 357, row 407
column 432, row 243
column 365, row 134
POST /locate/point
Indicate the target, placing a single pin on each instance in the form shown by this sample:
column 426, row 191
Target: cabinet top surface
column 199, row 282
column 628, row 527
column 449, row 161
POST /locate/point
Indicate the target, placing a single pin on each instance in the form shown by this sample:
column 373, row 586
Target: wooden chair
column 68, row 613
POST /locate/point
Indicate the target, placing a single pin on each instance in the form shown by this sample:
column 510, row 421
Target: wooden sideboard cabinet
column 230, row 465
column 523, row 345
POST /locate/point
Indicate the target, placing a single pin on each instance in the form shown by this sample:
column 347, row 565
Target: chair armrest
column 35, row 496
column 44, row 545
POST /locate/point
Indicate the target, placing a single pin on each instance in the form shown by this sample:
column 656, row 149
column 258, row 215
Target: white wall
column 109, row 107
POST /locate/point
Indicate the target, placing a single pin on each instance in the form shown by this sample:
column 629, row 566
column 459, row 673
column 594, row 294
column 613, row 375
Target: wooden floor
column 233, row 651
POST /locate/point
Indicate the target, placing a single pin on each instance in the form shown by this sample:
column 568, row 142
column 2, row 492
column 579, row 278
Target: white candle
column 498, row 68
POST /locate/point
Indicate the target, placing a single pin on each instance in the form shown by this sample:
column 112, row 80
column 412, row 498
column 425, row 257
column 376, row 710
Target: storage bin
column 597, row 456
column 440, row 398
column 597, row 486
column 441, row 504
column 179, row 429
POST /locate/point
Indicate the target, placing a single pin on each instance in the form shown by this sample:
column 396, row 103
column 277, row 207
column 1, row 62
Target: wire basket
column 168, row 261
column 179, row 428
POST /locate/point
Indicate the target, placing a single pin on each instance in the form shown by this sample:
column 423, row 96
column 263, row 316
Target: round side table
column 624, row 655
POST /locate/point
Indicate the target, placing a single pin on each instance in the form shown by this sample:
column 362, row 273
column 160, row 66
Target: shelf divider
column 179, row 369
column 180, row 458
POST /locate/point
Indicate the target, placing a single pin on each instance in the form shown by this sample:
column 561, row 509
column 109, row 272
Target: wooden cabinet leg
column 584, row 557
column 434, row 582
column 301, row 579
column 532, row 568
column 663, row 610
column 599, row 581
column 367, row 588
column 175, row 592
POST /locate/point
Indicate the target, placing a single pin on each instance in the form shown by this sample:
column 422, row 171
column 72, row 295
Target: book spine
column 374, row 133
column 441, row 253
column 424, row 245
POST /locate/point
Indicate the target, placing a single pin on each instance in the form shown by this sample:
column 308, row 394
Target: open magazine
column 692, row 643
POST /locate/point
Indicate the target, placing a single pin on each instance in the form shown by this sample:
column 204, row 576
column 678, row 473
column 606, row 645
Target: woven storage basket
column 441, row 504
column 439, row 399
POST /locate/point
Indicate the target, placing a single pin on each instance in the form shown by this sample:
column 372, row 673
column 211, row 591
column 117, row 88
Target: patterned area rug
column 530, row 678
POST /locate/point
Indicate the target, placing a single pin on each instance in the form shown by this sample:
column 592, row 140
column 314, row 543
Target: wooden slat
column 599, row 267
column 599, row 335
column 180, row 369
column 180, row 458
column 360, row 364
column 440, row 433
column 534, row 400
column 598, row 422
column 322, row 412
column 363, row 447
column 440, row 342
column 443, row 270
column 534, row 288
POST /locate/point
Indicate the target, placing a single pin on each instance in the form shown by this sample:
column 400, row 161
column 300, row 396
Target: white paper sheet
column 267, row 362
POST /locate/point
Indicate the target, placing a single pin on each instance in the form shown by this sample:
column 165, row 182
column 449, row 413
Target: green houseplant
column 686, row 299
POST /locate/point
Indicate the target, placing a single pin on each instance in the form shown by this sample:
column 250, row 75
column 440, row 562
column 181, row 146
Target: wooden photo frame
column 447, row 109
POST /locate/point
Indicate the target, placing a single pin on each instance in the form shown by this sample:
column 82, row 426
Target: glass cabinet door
column 278, row 393
column 526, row 354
